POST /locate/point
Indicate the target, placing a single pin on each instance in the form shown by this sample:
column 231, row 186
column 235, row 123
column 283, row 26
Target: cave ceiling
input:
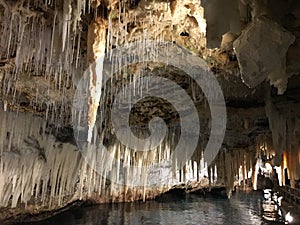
column 251, row 46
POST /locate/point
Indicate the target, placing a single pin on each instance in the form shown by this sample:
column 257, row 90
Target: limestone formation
column 261, row 51
column 48, row 49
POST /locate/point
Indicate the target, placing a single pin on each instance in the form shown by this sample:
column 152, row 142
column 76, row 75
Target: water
column 192, row 209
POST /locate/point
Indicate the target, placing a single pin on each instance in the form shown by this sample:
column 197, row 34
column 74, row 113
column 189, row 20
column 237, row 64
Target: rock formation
column 48, row 49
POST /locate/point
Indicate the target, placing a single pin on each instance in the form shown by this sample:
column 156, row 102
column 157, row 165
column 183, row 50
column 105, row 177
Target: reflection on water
column 271, row 206
column 191, row 209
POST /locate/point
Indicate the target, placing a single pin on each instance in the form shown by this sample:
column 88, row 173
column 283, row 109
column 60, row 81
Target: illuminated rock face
column 46, row 46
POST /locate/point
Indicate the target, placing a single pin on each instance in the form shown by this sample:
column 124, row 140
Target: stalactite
column 96, row 52
column 243, row 175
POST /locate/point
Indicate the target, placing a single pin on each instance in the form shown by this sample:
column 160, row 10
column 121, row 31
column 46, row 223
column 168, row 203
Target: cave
column 125, row 106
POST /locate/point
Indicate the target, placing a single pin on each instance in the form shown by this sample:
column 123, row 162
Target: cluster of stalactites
column 284, row 126
column 37, row 169
column 233, row 167
column 33, row 165
column 264, row 147
column 43, row 41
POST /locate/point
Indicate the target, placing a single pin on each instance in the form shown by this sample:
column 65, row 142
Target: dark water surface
column 241, row 208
